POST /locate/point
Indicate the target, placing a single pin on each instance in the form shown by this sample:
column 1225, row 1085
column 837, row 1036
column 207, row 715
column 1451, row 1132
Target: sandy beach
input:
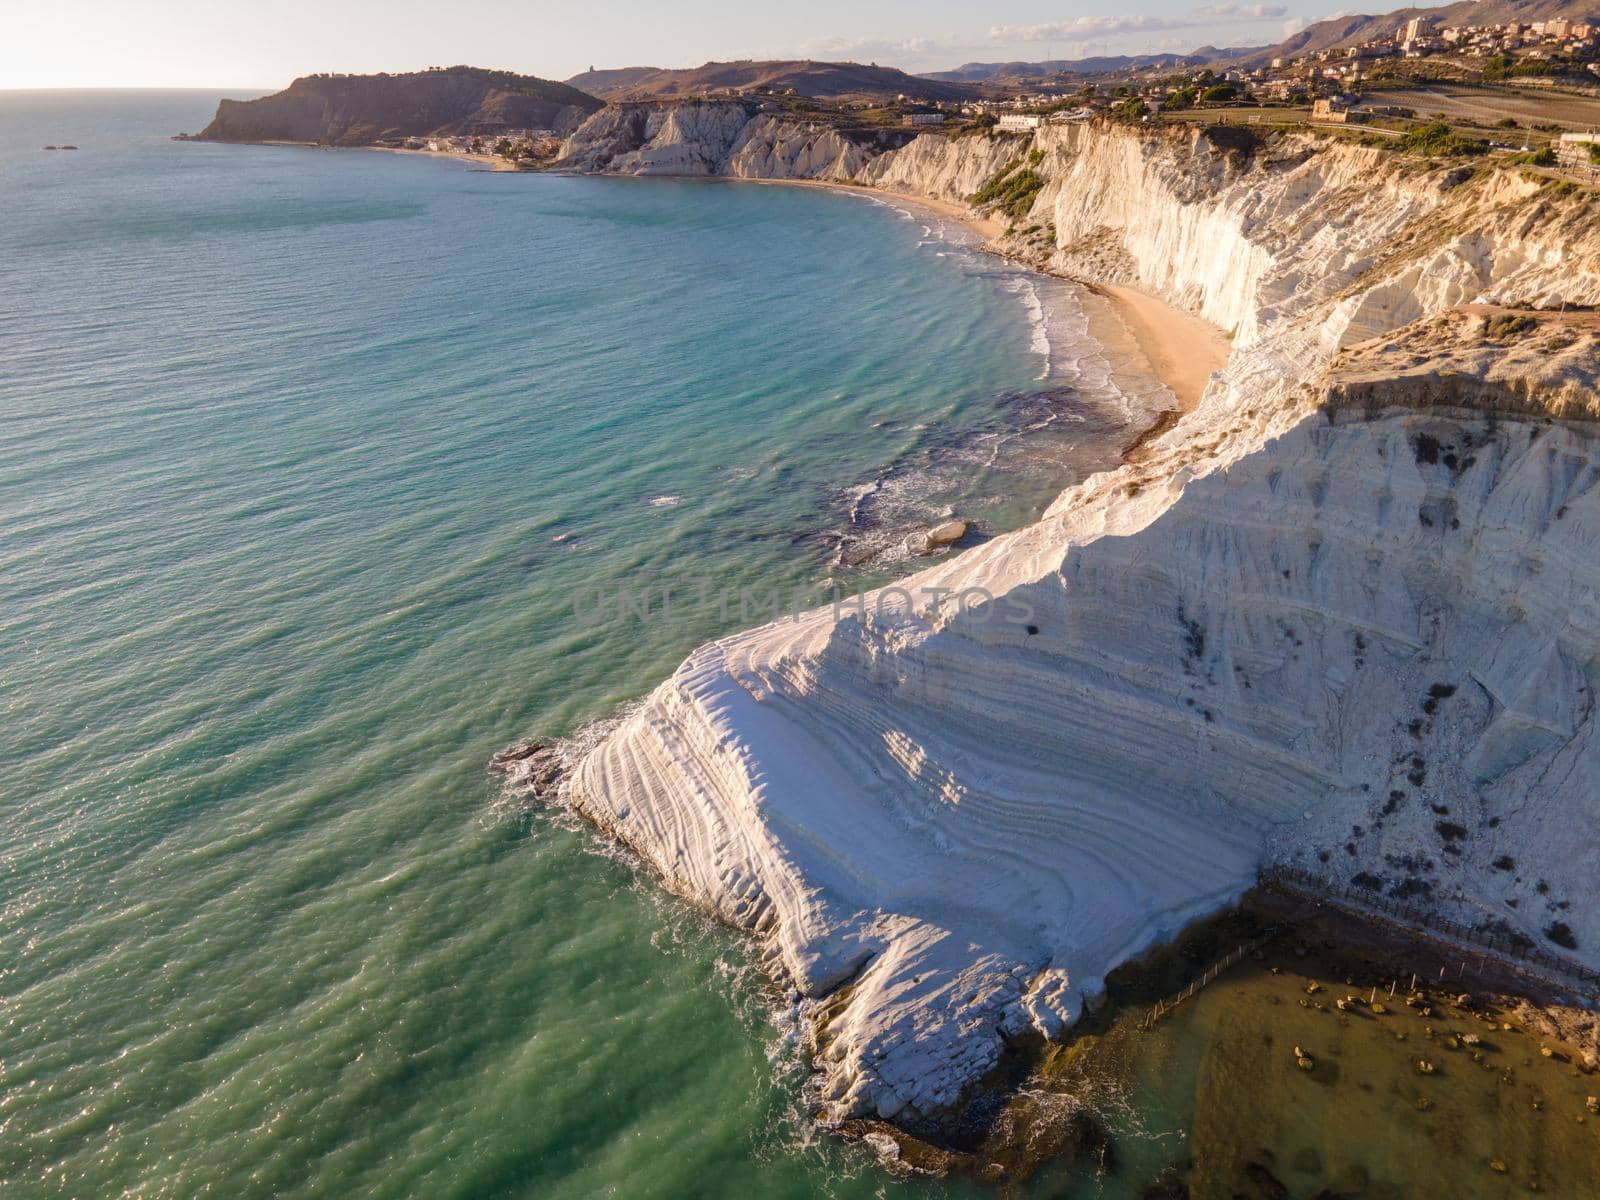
column 1181, row 350
column 1144, row 335
column 1141, row 333
column 492, row 161
column 987, row 227
column 991, row 227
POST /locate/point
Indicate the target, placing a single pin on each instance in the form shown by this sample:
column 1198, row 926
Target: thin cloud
column 1243, row 12
column 858, row 46
column 1076, row 37
column 1110, row 25
column 877, row 49
column 1051, row 31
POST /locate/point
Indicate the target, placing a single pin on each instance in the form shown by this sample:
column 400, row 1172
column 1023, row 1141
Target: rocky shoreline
column 1247, row 635
column 1051, row 1108
column 1015, row 1127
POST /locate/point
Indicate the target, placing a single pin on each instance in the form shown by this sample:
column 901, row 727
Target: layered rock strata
column 1344, row 614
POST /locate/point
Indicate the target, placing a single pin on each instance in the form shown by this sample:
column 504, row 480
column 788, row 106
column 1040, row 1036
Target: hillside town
column 1540, row 52
column 1530, row 89
column 1514, row 50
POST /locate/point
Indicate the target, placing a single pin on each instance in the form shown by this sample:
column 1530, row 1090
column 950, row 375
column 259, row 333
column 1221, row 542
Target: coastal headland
column 1337, row 614
column 1279, row 634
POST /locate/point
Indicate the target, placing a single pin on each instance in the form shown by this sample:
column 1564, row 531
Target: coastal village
column 505, row 142
column 1541, row 52
column 1548, row 70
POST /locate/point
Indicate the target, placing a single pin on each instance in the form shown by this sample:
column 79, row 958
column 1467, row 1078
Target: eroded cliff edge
column 1344, row 614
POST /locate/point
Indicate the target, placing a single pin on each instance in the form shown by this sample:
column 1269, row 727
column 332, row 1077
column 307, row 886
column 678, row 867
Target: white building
column 1019, row 121
column 1576, row 149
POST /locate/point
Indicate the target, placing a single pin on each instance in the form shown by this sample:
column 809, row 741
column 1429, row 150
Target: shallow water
column 1489, row 1115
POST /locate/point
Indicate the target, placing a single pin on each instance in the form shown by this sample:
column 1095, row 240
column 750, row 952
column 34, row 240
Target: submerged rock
column 517, row 753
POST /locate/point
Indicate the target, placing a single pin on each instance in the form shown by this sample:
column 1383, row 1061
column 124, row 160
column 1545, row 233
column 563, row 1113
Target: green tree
column 1437, row 140
column 1497, row 66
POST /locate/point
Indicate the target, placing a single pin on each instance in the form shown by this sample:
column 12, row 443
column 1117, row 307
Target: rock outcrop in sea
column 1344, row 615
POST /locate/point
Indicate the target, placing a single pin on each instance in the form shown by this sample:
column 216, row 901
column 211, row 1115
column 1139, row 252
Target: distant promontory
column 361, row 110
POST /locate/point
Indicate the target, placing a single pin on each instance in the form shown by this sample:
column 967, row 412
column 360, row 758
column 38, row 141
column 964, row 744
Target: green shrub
column 1503, row 66
column 1012, row 191
column 1438, row 140
column 1534, row 158
column 1222, row 91
column 1496, row 67
column 996, row 183
column 1509, row 325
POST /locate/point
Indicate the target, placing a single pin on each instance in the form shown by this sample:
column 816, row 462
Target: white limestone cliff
column 1345, row 614
column 737, row 141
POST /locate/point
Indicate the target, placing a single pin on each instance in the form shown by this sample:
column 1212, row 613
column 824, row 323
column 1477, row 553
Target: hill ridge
column 812, row 78
column 356, row 110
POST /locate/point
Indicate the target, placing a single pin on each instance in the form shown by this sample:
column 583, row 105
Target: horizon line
column 137, row 87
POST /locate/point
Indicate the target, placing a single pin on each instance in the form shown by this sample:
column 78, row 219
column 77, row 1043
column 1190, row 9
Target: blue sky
column 231, row 44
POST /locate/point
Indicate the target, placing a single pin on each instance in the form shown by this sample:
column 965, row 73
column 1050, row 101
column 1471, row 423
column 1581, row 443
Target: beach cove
column 947, row 837
column 282, row 575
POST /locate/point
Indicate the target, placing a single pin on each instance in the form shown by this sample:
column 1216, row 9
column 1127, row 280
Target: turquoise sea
column 315, row 468
column 286, row 437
